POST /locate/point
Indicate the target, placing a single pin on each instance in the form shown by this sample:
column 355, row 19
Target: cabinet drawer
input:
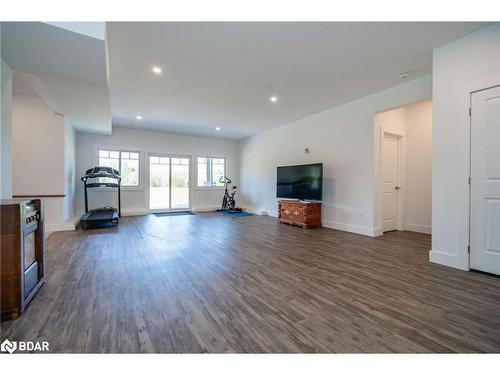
column 302, row 214
column 292, row 213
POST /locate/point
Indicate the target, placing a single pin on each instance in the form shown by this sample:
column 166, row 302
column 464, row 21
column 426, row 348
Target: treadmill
column 104, row 216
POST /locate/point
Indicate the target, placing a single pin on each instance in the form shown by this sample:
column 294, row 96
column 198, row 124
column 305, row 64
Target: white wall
column 69, row 172
column 37, row 148
column 467, row 64
column 418, row 202
column 38, row 156
column 342, row 138
column 393, row 121
column 413, row 123
column 145, row 141
column 6, row 132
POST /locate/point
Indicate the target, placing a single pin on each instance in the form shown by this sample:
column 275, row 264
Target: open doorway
column 403, row 169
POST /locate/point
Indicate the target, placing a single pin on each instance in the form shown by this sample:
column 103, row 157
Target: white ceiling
column 222, row 74
column 86, row 107
column 66, row 69
column 93, row 29
column 39, row 48
column 216, row 74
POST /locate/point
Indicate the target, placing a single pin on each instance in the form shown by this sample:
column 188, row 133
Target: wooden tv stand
column 300, row 213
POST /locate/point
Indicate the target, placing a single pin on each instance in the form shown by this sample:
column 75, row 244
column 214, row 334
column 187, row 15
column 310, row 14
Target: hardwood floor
column 211, row 283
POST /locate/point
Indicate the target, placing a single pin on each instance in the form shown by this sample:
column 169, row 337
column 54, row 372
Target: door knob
column 397, row 188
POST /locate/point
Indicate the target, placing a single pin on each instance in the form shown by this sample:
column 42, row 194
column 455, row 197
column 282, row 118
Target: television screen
column 300, row 182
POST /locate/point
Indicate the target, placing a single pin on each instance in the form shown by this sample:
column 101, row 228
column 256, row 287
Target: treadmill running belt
column 100, row 215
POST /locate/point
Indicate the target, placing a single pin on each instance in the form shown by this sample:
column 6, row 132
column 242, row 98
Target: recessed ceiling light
column 156, row 70
column 138, row 117
column 273, row 99
column 217, row 128
column 404, row 75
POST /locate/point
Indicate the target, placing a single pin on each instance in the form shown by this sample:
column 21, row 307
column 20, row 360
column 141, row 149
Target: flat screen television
column 304, row 182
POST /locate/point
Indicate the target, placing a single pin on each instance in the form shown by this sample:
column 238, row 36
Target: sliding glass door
column 179, row 192
column 169, row 182
column 159, row 183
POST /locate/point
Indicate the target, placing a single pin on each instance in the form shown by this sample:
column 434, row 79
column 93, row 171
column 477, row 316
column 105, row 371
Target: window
column 210, row 170
column 126, row 162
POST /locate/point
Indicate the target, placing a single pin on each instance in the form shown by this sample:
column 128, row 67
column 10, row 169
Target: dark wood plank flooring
column 211, row 283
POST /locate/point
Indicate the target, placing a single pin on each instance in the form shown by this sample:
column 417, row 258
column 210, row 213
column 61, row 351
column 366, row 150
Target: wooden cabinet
column 22, row 257
column 303, row 214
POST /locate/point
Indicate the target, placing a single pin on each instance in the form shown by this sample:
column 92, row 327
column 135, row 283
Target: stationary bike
column 228, row 202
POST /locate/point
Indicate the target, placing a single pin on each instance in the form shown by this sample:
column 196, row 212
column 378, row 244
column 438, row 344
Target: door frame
column 469, row 168
column 401, row 181
column 378, row 146
column 148, row 176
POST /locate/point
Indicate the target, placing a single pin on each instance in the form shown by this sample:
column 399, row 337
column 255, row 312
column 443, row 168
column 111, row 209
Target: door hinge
column 468, row 180
column 468, row 249
column 470, row 112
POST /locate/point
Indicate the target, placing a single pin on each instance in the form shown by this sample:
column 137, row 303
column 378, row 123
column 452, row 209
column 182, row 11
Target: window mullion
column 209, row 171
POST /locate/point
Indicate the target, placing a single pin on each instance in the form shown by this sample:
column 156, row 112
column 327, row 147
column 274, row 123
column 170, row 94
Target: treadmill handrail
column 97, row 172
column 92, row 185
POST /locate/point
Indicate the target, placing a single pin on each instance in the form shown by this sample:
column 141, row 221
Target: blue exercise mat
column 241, row 214
column 237, row 213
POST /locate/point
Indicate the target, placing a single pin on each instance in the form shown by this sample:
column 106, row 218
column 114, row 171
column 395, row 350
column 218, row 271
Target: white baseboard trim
column 418, row 228
column 136, row 212
column 259, row 212
column 206, row 209
column 365, row 231
column 447, row 259
column 60, row 227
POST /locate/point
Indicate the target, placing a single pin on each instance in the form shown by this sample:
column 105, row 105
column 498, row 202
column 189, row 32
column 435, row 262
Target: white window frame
column 140, row 186
column 210, row 187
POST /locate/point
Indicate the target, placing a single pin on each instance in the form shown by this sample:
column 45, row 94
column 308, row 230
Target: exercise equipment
column 103, row 216
column 228, row 201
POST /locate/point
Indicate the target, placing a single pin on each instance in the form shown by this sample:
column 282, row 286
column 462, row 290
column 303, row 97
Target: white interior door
column 485, row 181
column 390, row 179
